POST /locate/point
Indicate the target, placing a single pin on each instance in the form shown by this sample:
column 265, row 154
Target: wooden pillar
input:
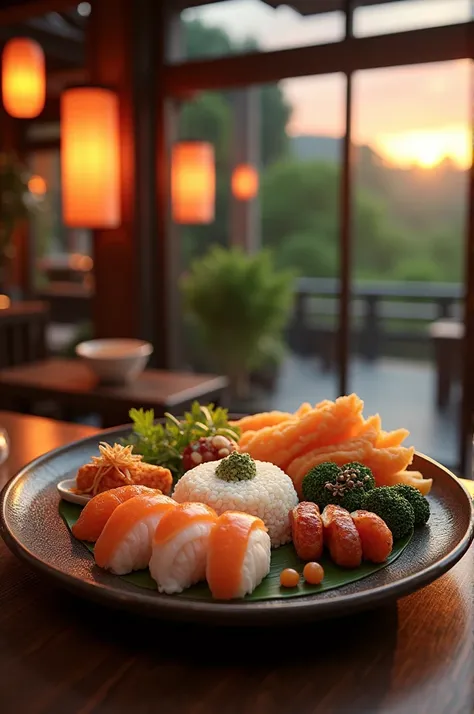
column 18, row 282
column 345, row 237
column 467, row 402
column 245, row 215
column 125, row 49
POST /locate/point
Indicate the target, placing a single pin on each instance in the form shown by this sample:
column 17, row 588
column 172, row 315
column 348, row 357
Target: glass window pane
column 409, row 15
column 62, row 254
column 412, row 130
column 236, row 26
column 289, row 134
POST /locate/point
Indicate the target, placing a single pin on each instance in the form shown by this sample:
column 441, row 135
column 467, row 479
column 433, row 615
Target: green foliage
column 208, row 118
column 310, row 254
column 298, row 198
column 275, row 112
column 239, row 301
column 163, row 443
column 16, row 202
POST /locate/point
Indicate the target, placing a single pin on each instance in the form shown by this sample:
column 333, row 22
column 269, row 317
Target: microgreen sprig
column 163, row 443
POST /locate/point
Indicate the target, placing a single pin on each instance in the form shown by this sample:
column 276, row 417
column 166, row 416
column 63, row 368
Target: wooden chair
column 23, row 333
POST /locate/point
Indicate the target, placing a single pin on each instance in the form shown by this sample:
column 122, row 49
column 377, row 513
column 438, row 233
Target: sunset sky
column 410, row 115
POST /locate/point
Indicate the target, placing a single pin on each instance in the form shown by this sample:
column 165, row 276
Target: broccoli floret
column 360, row 472
column 393, row 508
column 236, row 467
column 345, row 486
column 418, row 502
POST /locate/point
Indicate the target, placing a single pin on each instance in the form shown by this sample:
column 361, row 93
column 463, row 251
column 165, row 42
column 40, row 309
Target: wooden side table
column 71, row 385
column 447, row 336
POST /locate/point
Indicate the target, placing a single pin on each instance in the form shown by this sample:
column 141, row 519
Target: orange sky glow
column 410, row 115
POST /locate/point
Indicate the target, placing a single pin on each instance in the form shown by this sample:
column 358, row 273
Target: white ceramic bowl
column 115, row 361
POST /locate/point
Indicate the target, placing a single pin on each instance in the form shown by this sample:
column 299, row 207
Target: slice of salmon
column 227, row 549
column 184, row 515
column 124, row 518
column 97, row 512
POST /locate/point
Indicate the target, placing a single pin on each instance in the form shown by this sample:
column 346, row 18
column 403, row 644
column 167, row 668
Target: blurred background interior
column 278, row 193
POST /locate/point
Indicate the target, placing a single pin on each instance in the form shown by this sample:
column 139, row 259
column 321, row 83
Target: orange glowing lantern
column 37, row 186
column 193, row 182
column 23, row 78
column 90, row 157
column 245, row 182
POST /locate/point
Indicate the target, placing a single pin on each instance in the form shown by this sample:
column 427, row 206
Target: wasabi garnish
column 236, row 467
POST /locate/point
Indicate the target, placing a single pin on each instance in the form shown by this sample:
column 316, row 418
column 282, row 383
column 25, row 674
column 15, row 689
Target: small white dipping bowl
column 115, row 361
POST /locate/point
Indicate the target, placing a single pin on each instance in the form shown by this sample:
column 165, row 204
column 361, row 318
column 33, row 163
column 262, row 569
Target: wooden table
column 59, row 654
column 70, row 384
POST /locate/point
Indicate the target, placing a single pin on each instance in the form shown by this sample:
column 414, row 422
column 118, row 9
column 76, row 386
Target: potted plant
column 241, row 304
column 16, row 203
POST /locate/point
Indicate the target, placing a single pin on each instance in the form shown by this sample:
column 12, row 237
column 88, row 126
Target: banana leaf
column 269, row 589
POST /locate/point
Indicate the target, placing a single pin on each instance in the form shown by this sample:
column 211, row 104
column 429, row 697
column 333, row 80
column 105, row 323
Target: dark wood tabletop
column 62, row 655
column 70, row 383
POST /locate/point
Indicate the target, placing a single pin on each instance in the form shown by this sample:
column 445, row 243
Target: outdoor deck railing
column 382, row 313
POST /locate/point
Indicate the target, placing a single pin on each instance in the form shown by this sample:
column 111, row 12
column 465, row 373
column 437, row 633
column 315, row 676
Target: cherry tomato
column 289, row 578
column 313, row 573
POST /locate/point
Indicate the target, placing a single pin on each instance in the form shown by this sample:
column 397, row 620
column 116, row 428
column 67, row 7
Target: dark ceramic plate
column 33, row 529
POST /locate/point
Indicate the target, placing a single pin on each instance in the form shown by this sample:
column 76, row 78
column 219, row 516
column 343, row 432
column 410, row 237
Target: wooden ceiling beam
column 21, row 11
column 59, row 80
column 66, row 49
column 433, row 44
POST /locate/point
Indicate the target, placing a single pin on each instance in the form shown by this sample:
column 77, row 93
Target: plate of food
column 265, row 519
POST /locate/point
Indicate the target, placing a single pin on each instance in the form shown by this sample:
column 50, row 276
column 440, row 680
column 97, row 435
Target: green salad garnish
column 164, row 443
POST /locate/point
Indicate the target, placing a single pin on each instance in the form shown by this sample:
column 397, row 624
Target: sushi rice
column 180, row 545
column 239, row 555
column 125, row 543
column 269, row 496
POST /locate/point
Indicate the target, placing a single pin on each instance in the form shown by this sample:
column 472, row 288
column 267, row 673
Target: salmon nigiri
column 98, row 510
column 125, row 542
column 239, row 555
column 180, row 547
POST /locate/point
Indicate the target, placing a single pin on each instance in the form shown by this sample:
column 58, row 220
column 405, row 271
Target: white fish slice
column 67, row 492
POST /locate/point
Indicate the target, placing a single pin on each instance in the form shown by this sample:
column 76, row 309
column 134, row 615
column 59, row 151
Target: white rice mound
column 270, row 495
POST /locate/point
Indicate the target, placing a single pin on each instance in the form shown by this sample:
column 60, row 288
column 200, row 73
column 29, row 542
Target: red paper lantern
column 37, row 186
column 90, row 158
column 23, row 78
column 193, row 182
column 245, row 182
